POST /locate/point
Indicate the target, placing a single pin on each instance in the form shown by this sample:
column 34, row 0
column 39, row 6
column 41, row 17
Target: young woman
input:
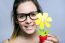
column 25, row 28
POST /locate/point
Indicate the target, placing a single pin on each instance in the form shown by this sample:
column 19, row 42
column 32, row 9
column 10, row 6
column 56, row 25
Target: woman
column 25, row 28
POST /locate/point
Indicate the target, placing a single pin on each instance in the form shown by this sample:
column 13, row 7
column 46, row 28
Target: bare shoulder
column 5, row 41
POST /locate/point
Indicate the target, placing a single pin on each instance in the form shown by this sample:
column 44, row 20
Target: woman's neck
column 27, row 36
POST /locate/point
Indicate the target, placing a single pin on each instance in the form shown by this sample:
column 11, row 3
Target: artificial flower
column 43, row 32
column 43, row 20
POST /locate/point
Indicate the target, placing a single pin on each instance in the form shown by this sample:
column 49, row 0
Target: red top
column 42, row 38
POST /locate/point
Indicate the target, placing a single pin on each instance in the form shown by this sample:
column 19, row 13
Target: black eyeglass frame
column 28, row 15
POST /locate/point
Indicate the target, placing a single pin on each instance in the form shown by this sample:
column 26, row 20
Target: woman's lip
column 29, row 25
column 28, row 29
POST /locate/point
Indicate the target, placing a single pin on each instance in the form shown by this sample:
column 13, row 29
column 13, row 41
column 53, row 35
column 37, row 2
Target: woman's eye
column 33, row 14
column 21, row 16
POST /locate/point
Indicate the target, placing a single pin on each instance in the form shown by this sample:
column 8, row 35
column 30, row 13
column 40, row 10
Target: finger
column 47, row 41
column 52, row 39
column 50, row 35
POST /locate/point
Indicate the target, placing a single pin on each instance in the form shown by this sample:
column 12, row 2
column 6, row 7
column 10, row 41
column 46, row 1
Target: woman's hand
column 51, row 39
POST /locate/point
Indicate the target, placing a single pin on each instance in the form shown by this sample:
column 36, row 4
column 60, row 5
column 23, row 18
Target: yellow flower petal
column 45, row 15
column 37, row 21
column 42, row 25
column 49, row 19
column 39, row 15
column 48, row 25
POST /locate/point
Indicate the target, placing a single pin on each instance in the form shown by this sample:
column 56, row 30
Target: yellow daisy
column 43, row 20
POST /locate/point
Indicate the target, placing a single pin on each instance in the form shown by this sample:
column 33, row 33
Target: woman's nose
column 28, row 20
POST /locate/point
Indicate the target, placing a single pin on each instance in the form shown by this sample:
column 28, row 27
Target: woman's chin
column 30, row 31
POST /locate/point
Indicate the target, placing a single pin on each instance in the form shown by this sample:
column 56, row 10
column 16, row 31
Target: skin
column 51, row 39
column 29, row 27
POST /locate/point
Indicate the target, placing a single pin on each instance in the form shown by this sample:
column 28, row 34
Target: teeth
column 28, row 26
column 28, row 29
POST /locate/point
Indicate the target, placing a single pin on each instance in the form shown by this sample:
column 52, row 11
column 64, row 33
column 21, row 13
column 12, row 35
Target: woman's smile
column 29, row 27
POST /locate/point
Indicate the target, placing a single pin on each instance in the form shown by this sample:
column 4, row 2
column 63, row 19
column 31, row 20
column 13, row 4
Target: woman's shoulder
column 5, row 41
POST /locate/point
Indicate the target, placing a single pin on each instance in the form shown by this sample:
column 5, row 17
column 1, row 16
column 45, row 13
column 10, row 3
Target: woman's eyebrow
column 27, row 13
column 33, row 11
column 21, row 13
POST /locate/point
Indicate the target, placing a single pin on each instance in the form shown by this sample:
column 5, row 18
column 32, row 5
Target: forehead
column 26, row 7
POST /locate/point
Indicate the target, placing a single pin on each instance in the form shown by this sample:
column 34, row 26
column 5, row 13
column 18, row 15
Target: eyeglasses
column 22, row 16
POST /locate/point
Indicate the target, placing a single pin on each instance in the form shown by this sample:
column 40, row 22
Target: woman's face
column 27, row 25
